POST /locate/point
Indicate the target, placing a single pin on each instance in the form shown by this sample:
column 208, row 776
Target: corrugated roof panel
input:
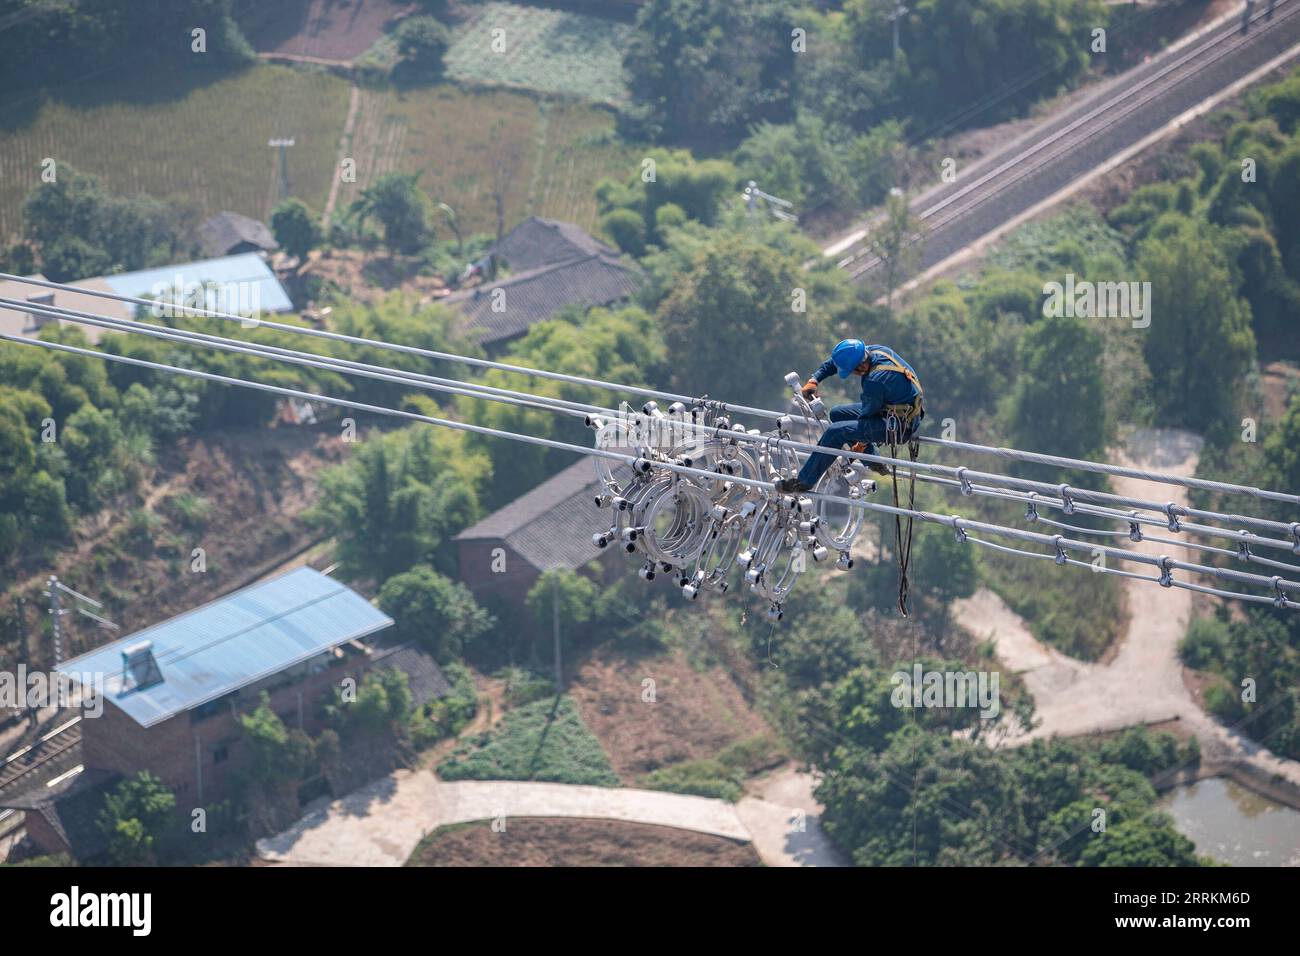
column 247, row 267
column 233, row 642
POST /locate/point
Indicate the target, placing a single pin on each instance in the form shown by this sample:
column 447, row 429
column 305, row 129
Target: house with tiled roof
column 551, row 266
column 230, row 234
column 502, row 556
column 63, row 815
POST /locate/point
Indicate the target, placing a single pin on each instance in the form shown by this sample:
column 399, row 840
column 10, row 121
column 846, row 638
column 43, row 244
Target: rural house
column 553, row 265
column 548, row 527
column 242, row 283
column 174, row 691
column 230, row 234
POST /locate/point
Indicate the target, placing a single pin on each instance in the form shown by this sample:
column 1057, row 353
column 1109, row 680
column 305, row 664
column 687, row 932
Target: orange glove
column 809, row 390
column 858, row 446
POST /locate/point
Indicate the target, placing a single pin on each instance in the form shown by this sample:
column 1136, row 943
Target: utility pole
column 775, row 204
column 282, row 145
column 900, row 11
column 57, row 588
column 1246, row 11
column 555, row 626
column 55, row 614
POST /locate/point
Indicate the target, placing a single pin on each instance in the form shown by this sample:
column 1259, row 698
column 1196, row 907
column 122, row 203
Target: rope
column 902, row 542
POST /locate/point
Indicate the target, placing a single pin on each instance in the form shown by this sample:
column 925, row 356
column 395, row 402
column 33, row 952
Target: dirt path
column 381, row 824
column 1143, row 682
column 345, row 145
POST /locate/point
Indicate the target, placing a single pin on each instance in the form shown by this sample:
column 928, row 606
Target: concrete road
column 1143, row 683
column 381, row 824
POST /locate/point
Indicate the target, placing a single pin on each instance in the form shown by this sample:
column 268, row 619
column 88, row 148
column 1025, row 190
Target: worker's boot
column 792, row 486
column 861, row 448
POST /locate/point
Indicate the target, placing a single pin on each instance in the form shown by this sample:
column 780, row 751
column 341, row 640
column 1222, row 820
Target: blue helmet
column 848, row 355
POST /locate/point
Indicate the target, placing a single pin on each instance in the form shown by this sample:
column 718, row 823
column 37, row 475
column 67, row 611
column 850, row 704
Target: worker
column 891, row 399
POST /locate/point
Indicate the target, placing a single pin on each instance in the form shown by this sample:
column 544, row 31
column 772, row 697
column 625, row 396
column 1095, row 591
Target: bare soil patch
column 695, row 713
column 328, row 29
column 367, row 277
column 550, row 842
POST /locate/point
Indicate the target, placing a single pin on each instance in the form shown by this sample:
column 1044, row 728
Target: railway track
column 43, row 759
column 1069, row 145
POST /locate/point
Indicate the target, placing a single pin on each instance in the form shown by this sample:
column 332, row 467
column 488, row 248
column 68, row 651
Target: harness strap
column 887, row 362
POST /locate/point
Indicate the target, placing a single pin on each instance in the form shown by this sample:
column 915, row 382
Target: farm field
column 207, row 145
column 547, row 153
column 553, row 51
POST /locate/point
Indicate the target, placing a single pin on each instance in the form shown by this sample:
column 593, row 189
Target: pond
column 1235, row 825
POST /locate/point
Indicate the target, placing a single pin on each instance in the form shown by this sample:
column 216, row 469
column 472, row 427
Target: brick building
column 174, row 691
column 548, row 527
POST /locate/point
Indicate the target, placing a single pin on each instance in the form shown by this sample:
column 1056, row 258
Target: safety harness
column 900, row 420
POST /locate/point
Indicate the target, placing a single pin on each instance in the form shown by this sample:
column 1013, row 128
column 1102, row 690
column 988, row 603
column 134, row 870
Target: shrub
column 1222, row 701
column 439, row 613
column 422, row 43
column 627, row 229
column 703, row 778
column 669, row 216
column 1204, row 643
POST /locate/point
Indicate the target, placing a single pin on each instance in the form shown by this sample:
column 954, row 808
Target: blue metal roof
column 233, row 642
column 226, row 272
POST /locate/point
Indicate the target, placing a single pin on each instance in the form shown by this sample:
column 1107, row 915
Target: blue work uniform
column 865, row 421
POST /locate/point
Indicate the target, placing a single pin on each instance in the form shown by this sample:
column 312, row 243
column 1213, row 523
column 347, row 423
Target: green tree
column 82, row 230
column 573, row 595
column 702, row 71
column 422, row 43
column 627, row 228
column 278, row 757
column 954, row 53
column 439, row 613
column 383, row 704
column 399, row 498
column 731, row 323
column 401, row 208
column 1141, row 843
column 819, row 164
column 1199, row 345
column 295, row 228
column 1058, row 402
column 896, row 240
column 135, row 818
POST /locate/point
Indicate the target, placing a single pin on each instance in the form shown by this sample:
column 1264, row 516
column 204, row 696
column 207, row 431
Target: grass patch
column 555, row 151
column 1078, row 613
column 545, row 740
column 1076, row 235
column 190, row 511
column 207, row 145
column 703, row 778
column 721, row 777
column 552, row 51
